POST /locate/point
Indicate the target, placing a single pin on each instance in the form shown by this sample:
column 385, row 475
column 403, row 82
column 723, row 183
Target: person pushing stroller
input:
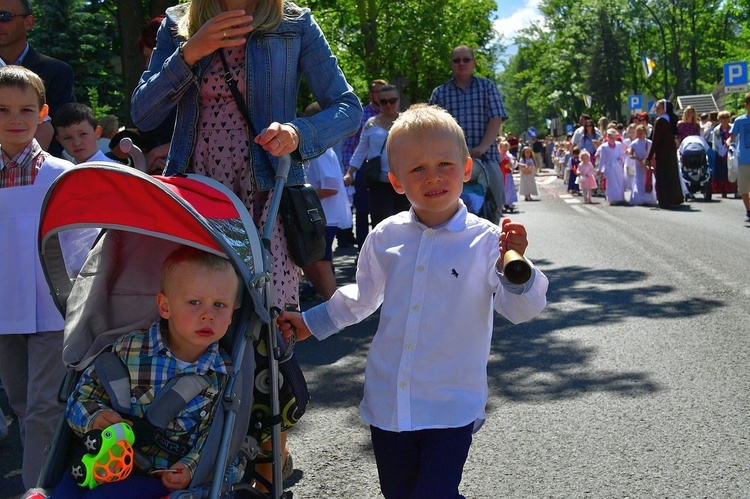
column 199, row 293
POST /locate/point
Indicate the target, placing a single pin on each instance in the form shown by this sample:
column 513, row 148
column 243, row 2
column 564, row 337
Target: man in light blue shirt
column 740, row 135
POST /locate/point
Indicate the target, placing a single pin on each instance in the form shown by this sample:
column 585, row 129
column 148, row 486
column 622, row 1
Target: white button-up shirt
column 427, row 364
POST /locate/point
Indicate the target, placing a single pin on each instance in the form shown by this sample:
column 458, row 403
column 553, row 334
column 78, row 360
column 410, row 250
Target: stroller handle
column 285, row 162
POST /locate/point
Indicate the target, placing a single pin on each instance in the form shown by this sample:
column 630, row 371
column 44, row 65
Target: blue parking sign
column 735, row 77
column 635, row 102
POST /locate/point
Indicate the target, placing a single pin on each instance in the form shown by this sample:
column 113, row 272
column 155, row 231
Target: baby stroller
column 142, row 220
column 476, row 193
column 694, row 165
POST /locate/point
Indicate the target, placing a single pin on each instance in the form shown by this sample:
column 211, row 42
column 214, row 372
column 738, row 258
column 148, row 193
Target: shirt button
column 415, row 308
column 409, row 347
column 402, row 384
column 429, row 232
column 203, row 414
column 133, row 400
column 420, row 268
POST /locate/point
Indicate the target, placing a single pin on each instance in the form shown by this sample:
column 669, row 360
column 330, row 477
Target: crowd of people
column 645, row 158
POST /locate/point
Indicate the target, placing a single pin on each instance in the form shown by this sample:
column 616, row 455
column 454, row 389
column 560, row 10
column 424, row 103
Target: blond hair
column 266, row 17
column 424, row 119
column 695, row 115
column 190, row 255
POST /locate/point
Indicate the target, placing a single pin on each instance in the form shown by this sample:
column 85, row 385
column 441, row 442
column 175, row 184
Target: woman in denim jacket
column 269, row 45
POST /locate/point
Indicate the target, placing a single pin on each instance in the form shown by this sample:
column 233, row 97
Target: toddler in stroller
column 178, row 355
column 696, row 175
column 145, row 219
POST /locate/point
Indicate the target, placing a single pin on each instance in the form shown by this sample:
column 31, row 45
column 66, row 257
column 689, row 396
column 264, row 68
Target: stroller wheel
column 707, row 192
column 78, row 471
column 92, row 440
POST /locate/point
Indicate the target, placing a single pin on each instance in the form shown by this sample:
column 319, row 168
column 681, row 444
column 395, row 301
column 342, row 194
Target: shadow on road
column 529, row 362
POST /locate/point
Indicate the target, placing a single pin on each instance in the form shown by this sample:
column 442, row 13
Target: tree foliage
column 594, row 47
column 582, row 47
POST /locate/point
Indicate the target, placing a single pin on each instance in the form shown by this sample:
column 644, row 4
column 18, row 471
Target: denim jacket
column 276, row 61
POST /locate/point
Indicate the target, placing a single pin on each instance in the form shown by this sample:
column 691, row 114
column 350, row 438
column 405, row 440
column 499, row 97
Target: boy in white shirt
column 436, row 271
column 78, row 131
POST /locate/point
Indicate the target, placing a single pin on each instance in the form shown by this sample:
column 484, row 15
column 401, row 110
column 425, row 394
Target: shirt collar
column 23, row 159
column 212, row 359
column 471, row 81
column 457, row 222
column 19, row 61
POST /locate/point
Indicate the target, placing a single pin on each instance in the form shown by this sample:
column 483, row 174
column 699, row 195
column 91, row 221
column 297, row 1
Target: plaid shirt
column 151, row 365
column 473, row 108
column 350, row 144
column 22, row 168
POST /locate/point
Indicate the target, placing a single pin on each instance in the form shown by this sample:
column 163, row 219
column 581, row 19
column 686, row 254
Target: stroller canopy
column 135, row 208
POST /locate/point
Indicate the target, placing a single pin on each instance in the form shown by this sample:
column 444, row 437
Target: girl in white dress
column 643, row 193
column 527, row 166
column 611, row 156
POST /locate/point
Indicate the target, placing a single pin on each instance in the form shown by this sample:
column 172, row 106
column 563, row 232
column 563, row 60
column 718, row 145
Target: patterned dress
column 222, row 152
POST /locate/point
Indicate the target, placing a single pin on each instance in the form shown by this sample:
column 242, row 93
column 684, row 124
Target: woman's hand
column 278, row 139
column 228, row 29
column 348, row 178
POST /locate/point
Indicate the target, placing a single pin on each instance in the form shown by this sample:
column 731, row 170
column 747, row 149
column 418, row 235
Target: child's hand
column 178, row 479
column 107, row 418
column 512, row 237
column 290, row 323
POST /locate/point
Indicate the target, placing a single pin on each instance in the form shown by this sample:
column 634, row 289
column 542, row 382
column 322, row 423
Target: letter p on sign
column 735, row 77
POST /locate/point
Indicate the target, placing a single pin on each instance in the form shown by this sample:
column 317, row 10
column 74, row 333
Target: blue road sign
column 735, row 77
column 569, row 128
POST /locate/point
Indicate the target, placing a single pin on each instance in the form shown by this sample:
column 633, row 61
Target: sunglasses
column 6, row 17
column 465, row 60
column 389, row 102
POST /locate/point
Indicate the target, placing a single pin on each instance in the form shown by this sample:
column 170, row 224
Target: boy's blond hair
column 504, row 144
column 723, row 114
column 641, row 128
column 422, row 119
column 24, row 79
column 188, row 254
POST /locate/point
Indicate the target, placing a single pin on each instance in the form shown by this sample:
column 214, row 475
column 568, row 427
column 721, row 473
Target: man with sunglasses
column 476, row 105
column 16, row 20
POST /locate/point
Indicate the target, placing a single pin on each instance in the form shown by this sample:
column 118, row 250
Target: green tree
column 408, row 42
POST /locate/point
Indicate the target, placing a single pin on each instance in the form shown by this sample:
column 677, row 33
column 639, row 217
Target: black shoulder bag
column 371, row 167
column 301, row 211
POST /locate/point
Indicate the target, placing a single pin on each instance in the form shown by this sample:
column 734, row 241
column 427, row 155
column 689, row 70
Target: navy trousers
column 422, row 464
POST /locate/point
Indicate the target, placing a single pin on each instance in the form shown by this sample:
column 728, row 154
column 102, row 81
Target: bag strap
column 232, row 84
column 383, row 146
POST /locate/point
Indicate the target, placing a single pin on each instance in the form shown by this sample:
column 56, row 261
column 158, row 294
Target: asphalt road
column 633, row 382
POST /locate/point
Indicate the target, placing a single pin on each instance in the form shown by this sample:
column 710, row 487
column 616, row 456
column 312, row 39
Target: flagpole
column 664, row 45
